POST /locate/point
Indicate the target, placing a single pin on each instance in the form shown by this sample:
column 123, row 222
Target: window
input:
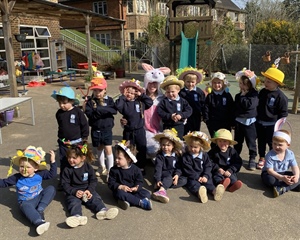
column 129, row 6
column 162, row 7
column 100, row 7
column 141, row 6
column 104, row 38
column 141, row 35
column 131, row 38
column 236, row 17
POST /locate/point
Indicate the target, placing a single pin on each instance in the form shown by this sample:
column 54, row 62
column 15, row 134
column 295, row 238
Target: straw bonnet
column 249, row 74
column 198, row 135
column 131, row 83
column 31, row 153
column 275, row 75
column 170, row 134
column 124, row 145
column 98, row 83
column 66, row 92
column 223, row 134
column 182, row 72
column 171, row 80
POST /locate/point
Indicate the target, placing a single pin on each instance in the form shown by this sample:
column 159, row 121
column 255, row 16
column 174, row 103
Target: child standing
column 32, row 198
column 278, row 161
column 197, row 167
column 100, row 110
column 173, row 109
column 219, row 105
column 226, row 161
column 79, row 183
column 72, row 124
column 132, row 104
column 168, row 169
column 194, row 96
column 273, row 105
column 246, row 102
column 126, row 179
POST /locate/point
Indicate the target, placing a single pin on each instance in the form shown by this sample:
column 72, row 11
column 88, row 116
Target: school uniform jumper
column 167, row 107
column 32, row 198
column 196, row 99
column 82, row 178
column 133, row 112
column 280, row 167
column 166, row 167
column 272, row 106
column 131, row 177
column 218, row 111
column 72, row 126
column 101, row 120
column 229, row 161
column 194, row 167
column 245, row 117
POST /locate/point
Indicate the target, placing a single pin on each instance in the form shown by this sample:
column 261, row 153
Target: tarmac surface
column 250, row 213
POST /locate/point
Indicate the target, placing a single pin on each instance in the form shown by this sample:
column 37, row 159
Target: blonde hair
column 281, row 139
column 190, row 77
column 167, row 87
column 197, row 141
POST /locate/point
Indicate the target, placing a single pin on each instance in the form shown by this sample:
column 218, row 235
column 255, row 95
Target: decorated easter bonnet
column 171, row 80
column 221, row 76
column 98, row 83
column 182, row 72
column 198, row 135
column 250, row 74
column 278, row 127
column 223, row 134
column 131, row 83
column 274, row 74
column 124, row 145
column 32, row 153
column 170, row 134
column 66, row 92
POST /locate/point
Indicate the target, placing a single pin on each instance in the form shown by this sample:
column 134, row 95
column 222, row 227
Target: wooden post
column 6, row 8
column 297, row 89
column 88, row 20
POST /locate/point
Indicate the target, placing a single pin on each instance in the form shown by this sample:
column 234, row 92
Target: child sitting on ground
column 79, row 183
column 126, row 179
column 278, row 161
column 226, row 162
column 197, row 167
column 168, row 171
column 32, row 198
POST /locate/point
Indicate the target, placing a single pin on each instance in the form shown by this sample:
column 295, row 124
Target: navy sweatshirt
column 72, row 124
column 272, row 106
column 246, row 106
column 196, row 100
column 101, row 118
column 132, row 112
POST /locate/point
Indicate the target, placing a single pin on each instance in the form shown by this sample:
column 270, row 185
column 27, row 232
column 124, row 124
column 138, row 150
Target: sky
column 240, row 3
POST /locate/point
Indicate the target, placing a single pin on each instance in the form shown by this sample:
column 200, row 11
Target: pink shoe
column 161, row 196
column 225, row 182
column 237, row 185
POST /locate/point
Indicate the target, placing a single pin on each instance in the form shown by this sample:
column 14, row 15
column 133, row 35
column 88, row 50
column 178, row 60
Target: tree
column 155, row 30
column 292, row 8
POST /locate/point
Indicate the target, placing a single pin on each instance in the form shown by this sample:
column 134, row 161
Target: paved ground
column 250, row 213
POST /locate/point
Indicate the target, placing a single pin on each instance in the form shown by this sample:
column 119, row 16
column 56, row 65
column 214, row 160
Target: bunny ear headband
column 278, row 126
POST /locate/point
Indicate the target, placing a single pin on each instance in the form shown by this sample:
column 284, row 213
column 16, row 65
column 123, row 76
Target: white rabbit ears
column 278, row 126
column 147, row 68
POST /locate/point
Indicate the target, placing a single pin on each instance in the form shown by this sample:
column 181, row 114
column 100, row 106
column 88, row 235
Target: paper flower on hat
column 124, row 145
column 181, row 72
column 255, row 81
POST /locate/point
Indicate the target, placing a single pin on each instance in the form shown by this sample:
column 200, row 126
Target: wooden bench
column 70, row 73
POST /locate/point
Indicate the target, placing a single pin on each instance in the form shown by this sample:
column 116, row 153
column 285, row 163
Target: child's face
column 279, row 146
column 152, row 87
column 223, row 144
column 217, row 84
column 190, row 84
column 130, row 93
column 166, row 146
column 243, row 87
column 65, row 105
column 76, row 161
column 27, row 169
column 194, row 148
column 270, row 84
column 99, row 93
column 172, row 92
column 121, row 160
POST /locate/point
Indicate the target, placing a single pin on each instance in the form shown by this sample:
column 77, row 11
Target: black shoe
column 252, row 165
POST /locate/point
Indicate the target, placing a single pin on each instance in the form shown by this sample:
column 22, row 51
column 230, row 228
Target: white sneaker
column 202, row 194
column 42, row 228
column 75, row 221
column 219, row 192
column 106, row 213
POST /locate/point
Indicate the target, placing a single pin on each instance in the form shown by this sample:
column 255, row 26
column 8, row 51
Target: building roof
column 228, row 5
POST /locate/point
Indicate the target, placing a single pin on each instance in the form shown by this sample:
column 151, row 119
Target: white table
column 11, row 102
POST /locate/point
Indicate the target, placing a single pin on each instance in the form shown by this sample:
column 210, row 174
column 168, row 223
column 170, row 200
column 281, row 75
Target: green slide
column 188, row 51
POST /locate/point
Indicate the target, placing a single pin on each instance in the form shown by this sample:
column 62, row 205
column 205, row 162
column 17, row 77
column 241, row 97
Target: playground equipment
column 190, row 31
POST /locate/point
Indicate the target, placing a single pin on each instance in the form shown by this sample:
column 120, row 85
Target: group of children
column 201, row 164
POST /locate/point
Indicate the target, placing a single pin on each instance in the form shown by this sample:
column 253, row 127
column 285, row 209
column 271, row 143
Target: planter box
column 85, row 65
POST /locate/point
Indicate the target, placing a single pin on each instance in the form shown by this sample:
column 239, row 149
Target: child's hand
column 227, row 174
column 159, row 184
column 287, row 179
column 202, row 179
column 178, row 117
column 123, row 121
column 88, row 194
column 137, row 93
column 134, row 189
column 175, row 180
column 125, row 188
column 294, row 179
column 221, row 171
column 79, row 194
column 174, row 117
column 52, row 156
